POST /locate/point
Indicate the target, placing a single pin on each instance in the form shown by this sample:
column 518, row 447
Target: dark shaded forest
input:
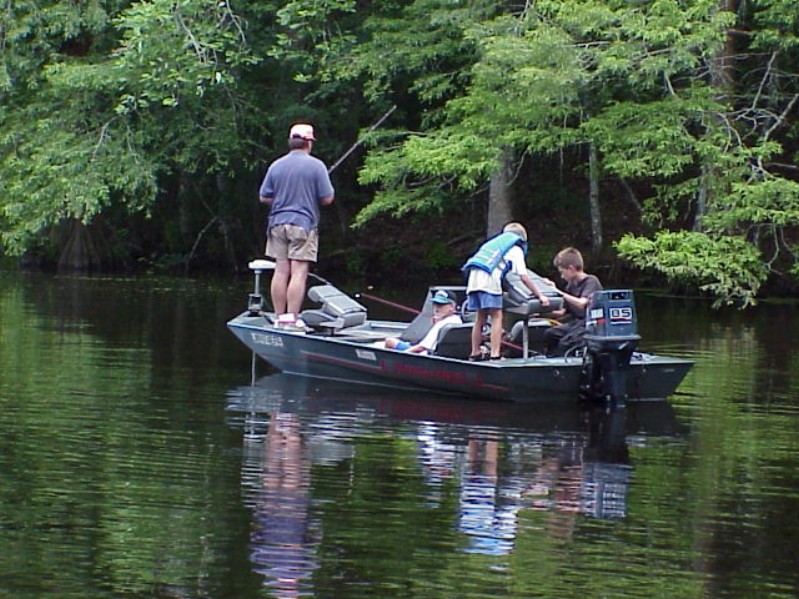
column 659, row 137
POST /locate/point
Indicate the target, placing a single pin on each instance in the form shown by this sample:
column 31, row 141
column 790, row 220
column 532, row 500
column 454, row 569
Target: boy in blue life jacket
column 486, row 270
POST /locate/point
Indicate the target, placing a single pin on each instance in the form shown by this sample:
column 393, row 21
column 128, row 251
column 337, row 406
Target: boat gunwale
column 351, row 339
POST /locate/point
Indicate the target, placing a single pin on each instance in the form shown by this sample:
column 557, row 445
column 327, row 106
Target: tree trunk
column 721, row 67
column 499, row 196
column 184, row 206
column 721, row 79
column 593, row 199
column 223, row 191
column 701, row 199
column 80, row 251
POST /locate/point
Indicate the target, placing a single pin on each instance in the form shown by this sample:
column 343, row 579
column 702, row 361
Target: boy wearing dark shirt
column 580, row 287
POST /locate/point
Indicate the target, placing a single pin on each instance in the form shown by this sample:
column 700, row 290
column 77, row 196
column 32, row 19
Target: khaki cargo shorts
column 290, row 242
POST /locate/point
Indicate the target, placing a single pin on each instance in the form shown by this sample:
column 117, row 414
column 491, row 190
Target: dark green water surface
column 138, row 460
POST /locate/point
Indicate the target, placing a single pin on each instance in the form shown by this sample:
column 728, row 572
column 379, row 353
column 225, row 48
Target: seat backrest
column 519, row 300
column 454, row 341
column 338, row 310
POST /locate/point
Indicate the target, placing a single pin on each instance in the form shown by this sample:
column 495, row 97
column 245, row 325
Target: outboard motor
column 611, row 337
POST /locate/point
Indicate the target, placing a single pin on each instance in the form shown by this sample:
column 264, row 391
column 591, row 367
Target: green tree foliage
column 310, row 36
column 109, row 109
column 652, row 85
column 421, row 52
column 728, row 268
column 99, row 107
column 539, row 74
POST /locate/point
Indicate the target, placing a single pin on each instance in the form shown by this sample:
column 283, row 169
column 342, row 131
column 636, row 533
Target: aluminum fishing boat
column 340, row 342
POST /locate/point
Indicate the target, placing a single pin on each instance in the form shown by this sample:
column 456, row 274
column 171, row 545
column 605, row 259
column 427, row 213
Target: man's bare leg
column 296, row 285
column 280, row 283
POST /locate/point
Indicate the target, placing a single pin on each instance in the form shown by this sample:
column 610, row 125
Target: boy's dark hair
column 297, row 143
column 569, row 257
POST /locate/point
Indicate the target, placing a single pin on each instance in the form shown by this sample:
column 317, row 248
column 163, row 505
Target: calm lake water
column 138, row 460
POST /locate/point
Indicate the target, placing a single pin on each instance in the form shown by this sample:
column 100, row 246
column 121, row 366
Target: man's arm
column 266, row 193
column 578, row 302
column 587, row 290
column 427, row 342
column 324, row 187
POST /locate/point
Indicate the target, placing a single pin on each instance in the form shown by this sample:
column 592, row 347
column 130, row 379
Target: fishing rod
column 361, row 139
column 261, row 265
column 386, row 302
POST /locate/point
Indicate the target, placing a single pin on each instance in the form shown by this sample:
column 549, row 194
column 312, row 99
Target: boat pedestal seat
column 529, row 334
column 337, row 310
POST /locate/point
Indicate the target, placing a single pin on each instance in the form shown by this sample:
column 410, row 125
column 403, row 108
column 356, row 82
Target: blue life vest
column 490, row 254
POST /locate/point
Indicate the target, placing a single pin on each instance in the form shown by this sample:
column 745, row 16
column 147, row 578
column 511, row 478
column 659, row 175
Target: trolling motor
column 611, row 338
column 255, row 302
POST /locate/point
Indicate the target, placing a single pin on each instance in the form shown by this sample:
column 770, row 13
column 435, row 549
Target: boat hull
column 350, row 358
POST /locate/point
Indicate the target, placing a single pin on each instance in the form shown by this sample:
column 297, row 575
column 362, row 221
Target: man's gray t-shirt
column 297, row 182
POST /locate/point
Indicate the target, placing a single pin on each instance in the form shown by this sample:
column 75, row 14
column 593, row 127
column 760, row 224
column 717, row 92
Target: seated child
column 580, row 287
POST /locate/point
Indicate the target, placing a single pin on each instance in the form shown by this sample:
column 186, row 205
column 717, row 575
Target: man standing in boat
column 294, row 187
column 486, row 270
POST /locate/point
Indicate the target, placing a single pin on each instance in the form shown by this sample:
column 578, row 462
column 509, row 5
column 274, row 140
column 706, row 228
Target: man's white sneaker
column 298, row 325
column 284, row 321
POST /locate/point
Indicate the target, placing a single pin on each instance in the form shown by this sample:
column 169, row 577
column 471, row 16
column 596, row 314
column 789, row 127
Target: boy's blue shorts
column 480, row 300
column 402, row 345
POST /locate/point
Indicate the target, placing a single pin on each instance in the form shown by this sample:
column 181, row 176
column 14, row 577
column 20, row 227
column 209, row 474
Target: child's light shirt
column 480, row 280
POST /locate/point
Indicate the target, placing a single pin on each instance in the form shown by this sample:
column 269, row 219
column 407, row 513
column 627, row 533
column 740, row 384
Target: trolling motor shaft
column 255, row 301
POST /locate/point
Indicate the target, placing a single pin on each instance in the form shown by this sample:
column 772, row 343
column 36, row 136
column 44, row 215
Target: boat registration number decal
column 364, row 354
column 271, row 340
column 623, row 315
column 616, row 315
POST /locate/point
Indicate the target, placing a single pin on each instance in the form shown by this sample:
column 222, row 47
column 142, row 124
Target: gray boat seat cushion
column 455, row 340
column 518, row 299
column 337, row 311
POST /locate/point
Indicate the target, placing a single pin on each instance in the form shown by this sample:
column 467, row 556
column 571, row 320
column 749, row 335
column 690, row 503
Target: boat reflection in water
column 504, row 458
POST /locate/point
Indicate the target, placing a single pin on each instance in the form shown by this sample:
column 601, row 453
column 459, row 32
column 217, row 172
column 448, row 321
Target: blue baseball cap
column 442, row 296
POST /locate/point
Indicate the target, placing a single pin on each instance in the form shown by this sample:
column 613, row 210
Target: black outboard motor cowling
column 611, row 337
